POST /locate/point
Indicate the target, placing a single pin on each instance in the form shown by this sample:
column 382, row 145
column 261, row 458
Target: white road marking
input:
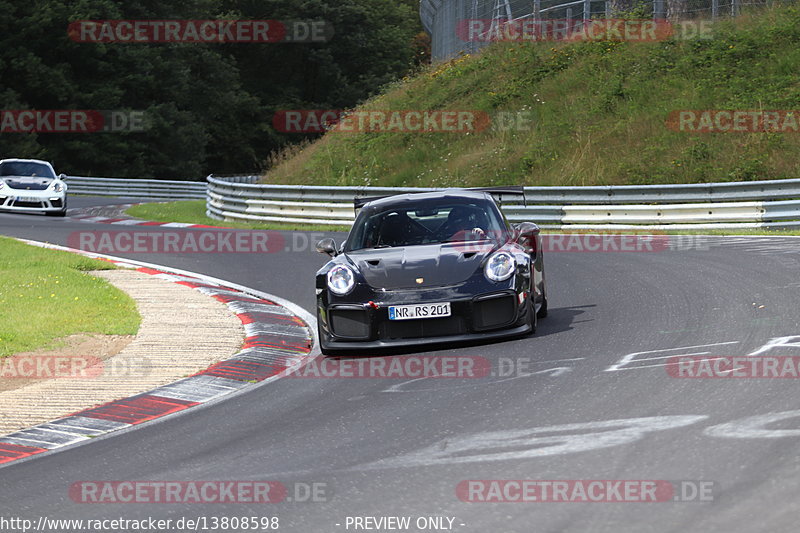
column 554, row 372
column 535, row 442
column 779, row 342
column 631, row 357
column 753, row 427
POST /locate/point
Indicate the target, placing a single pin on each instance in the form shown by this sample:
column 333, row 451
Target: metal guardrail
column 688, row 206
column 137, row 188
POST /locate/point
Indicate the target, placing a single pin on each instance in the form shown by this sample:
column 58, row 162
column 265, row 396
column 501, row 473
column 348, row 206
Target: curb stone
column 277, row 340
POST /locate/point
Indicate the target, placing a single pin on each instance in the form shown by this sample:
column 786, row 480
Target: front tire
column 324, row 351
column 61, row 213
column 542, row 308
column 532, row 317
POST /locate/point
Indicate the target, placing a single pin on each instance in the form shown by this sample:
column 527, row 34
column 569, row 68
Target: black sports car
column 430, row 267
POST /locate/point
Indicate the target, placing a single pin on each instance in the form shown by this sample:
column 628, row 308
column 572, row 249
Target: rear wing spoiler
column 361, row 201
column 516, row 190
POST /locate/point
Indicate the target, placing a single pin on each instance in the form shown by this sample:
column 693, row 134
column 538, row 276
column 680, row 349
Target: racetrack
column 389, row 447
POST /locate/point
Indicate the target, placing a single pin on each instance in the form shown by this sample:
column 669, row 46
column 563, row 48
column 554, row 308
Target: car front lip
column 462, row 306
column 394, row 343
column 45, row 197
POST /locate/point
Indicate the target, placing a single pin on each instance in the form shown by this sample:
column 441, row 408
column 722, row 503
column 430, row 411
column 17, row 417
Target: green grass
column 45, row 295
column 598, row 112
column 194, row 212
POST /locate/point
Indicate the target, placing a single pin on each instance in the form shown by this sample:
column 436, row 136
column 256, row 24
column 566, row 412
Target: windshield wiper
column 484, row 238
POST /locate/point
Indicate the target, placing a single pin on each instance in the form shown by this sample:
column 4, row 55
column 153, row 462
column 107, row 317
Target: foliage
column 208, row 106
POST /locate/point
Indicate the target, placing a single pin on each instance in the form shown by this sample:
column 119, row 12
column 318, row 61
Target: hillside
column 597, row 113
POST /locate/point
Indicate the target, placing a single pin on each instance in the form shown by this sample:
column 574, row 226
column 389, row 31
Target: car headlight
column 58, row 186
column 341, row 280
column 500, row 266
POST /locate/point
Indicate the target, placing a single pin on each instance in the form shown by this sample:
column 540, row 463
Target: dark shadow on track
column 558, row 320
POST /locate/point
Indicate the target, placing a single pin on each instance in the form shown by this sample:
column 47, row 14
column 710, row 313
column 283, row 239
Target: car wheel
column 543, row 308
column 322, row 349
column 532, row 316
column 61, row 213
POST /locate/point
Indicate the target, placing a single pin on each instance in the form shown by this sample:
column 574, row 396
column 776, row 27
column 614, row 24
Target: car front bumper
column 362, row 326
column 31, row 201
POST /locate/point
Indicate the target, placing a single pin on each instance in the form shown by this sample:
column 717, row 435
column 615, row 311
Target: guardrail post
column 658, row 9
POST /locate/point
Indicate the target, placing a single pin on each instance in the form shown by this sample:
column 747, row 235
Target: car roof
column 399, row 199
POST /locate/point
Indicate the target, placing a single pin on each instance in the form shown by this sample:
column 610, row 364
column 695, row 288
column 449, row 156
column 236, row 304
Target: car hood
column 27, row 182
column 436, row 265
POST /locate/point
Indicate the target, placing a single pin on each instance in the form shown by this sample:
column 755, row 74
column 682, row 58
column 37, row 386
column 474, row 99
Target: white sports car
column 30, row 185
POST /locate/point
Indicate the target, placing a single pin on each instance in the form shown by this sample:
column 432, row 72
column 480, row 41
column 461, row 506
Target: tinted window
column 426, row 222
column 26, row 169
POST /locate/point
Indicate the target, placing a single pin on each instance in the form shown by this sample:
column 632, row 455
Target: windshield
column 429, row 222
column 26, row 169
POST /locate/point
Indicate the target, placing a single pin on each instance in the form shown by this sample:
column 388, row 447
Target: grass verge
column 595, row 113
column 46, row 295
column 194, row 212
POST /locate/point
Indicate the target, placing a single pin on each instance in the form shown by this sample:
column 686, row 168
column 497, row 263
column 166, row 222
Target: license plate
column 408, row 312
column 27, row 199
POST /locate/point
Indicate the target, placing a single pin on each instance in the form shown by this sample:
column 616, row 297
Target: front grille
column 425, row 327
column 495, row 311
column 27, row 186
column 351, row 323
column 27, row 204
column 56, row 203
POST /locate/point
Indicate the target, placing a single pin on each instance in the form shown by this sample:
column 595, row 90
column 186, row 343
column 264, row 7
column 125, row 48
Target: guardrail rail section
column 137, row 188
column 752, row 204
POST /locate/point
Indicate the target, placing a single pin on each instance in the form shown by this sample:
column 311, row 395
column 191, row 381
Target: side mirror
column 527, row 234
column 327, row 246
column 62, row 177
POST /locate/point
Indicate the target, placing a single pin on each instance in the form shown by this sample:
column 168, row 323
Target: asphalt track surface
column 394, row 447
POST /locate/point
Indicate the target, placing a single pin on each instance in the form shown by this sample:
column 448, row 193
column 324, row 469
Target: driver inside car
column 464, row 223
